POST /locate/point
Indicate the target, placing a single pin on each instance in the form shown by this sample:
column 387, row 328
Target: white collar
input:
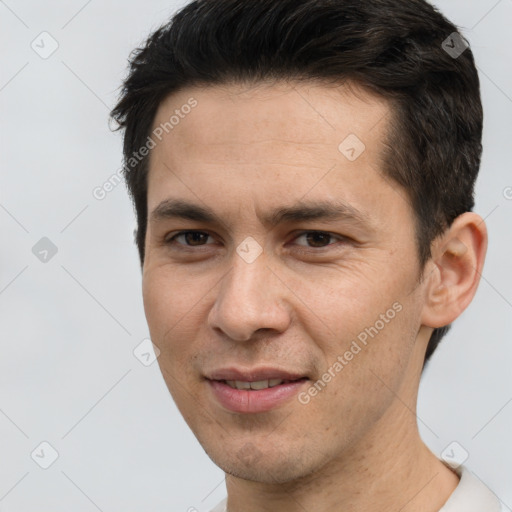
column 471, row 495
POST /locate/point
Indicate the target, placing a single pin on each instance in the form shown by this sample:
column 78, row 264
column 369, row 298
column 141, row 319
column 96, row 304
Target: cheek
column 167, row 306
column 155, row 305
column 170, row 318
column 349, row 302
column 363, row 377
column 372, row 326
column 176, row 308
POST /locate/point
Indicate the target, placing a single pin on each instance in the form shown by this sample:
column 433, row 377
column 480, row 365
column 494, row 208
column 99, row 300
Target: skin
column 242, row 152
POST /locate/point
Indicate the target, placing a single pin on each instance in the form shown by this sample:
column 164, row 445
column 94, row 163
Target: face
column 278, row 254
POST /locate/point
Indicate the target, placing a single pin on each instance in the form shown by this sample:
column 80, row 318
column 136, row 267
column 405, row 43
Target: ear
column 454, row 272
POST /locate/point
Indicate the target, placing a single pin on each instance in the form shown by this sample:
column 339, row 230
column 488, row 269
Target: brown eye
column 317, row 239
column 191, row 238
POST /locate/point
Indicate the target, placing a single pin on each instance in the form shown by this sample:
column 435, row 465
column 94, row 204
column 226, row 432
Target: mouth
column 255, row 391
column 257, row 385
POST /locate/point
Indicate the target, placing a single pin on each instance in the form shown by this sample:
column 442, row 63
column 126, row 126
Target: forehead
column 274, row 115
column 268, row 145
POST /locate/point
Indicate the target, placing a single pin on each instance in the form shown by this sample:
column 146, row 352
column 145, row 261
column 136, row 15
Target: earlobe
column 458, row 256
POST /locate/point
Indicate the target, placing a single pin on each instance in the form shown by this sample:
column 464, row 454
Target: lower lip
column 243, row 401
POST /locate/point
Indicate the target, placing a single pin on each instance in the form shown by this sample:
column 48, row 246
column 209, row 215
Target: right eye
column 191, row 238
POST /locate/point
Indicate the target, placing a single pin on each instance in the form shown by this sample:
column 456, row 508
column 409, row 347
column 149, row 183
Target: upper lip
column 253, row 374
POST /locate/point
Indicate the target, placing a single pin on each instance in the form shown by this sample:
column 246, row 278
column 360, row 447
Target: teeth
column 260, row 384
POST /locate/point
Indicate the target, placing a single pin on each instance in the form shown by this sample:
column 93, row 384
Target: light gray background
column 68, row 375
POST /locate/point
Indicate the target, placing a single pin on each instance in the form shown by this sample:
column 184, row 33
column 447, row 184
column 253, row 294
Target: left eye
column 319, row 239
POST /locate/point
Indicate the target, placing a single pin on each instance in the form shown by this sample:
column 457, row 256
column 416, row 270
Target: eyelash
column 171, row 241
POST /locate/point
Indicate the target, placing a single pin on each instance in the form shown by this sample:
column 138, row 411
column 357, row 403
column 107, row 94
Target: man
column 302, row 173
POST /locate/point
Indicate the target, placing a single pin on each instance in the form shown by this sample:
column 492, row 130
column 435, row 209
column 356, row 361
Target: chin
column 269, row 466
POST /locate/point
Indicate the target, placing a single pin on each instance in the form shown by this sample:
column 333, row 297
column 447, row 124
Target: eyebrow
column 301, row 212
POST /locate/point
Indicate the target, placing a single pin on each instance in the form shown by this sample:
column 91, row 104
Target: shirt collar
column 471, row 495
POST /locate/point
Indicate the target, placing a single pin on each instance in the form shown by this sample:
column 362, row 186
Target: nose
column 251, row 297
